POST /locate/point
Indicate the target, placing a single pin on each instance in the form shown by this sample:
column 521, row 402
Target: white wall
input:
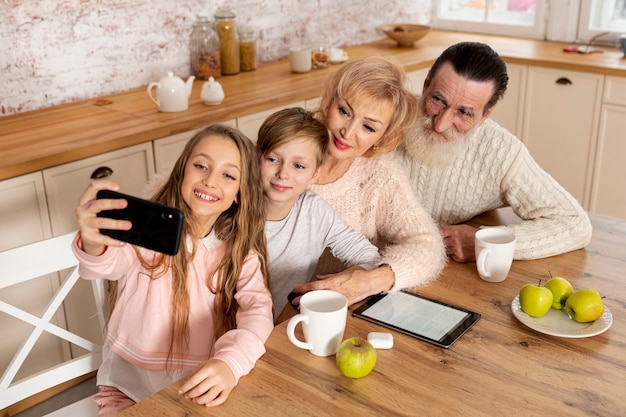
column 59, row 51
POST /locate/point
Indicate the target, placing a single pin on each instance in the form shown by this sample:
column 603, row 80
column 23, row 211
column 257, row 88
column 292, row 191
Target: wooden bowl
column 405, row 34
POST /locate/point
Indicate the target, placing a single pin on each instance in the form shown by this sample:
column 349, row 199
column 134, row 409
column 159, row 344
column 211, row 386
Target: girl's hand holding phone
column 92, row 241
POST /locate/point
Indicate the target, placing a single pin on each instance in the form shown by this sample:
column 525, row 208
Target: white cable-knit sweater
column 498, row 171
column 375, row 198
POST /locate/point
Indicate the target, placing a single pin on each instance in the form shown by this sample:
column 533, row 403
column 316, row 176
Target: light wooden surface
column 499, row 368
column 40, row 139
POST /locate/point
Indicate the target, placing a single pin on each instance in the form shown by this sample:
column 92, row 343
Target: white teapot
column 212, row 92
column 172, row 93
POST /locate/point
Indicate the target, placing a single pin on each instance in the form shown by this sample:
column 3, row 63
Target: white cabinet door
column 509, row 111
column 561, row 115
column 312, row 103
column 132, row 167
column 168, row 149
column 23, row 211
column 416, row 80
column 608, row 195
column 250, row 124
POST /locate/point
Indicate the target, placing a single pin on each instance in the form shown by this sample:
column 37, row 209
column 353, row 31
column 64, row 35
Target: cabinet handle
column 101, row 172
column 564, row 81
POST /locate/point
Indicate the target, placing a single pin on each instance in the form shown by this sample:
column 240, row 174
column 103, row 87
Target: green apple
column 561, row 289
column 535, row 300
column 584, row 305
column 356, row 357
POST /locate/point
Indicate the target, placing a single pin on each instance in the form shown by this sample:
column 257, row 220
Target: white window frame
column 585, row 33
column 556, row 20
column 536, row 31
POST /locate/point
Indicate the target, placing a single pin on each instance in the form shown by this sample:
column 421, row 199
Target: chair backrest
column 27, row 263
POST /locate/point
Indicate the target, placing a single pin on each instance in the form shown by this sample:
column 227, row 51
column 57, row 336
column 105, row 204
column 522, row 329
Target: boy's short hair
column 289, row 124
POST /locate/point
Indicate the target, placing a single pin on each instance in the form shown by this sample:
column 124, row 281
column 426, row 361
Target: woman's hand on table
column 355, row 283
column 210, row 384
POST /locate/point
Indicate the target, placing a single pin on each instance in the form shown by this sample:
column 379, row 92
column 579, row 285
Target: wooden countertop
column 48, row 137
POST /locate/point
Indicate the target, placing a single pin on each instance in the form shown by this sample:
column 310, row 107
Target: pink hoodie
column 139, row 327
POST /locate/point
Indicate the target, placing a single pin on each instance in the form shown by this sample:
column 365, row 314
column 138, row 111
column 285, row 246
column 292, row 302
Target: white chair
column 24, row 264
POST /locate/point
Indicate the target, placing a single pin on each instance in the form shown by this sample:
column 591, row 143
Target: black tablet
column 426, row 319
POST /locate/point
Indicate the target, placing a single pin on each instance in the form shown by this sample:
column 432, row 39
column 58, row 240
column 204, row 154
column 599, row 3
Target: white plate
column 557, row 322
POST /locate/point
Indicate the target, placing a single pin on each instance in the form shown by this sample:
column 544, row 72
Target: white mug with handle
column 323, row 316
column 494, row 249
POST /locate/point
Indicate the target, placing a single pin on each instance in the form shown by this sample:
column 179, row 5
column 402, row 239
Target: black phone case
column 155, row 226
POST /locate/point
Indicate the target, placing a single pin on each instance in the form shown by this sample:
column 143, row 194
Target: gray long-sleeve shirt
column 296, row 242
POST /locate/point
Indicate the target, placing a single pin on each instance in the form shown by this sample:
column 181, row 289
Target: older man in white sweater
column 462, row 163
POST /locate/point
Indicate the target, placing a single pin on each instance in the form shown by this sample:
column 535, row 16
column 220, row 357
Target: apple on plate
column 584, row 305
column 356, row 357
column 561, row 290
column 535, row 300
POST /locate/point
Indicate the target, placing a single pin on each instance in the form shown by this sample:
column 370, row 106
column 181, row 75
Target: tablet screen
column 424, row 318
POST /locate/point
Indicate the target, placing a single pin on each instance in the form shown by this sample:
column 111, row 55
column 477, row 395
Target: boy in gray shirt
column 300, row 225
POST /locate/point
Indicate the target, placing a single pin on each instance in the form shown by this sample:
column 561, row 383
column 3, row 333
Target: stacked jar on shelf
column 205, row 50
column 247, row 49
column 228, row 41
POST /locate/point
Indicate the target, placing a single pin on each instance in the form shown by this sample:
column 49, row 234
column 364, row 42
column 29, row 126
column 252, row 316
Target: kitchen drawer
column 615, row 90
column 132, row 168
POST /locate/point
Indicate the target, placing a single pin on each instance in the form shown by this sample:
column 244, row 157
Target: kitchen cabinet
column 168, row 149
column 561, row 112
column 249, row 125
column 608, row 196
column 312, row 103
column 132, row 167
column 509, row 110
column 23, row 211
column 415, row 80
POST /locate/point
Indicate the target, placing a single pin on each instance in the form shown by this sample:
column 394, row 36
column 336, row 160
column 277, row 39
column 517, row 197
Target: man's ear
column 489, row 111
column 426, row 82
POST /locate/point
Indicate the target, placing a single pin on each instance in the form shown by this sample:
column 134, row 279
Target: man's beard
column 435, row 150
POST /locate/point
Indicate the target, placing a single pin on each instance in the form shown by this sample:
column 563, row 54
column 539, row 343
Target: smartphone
column 155, row 226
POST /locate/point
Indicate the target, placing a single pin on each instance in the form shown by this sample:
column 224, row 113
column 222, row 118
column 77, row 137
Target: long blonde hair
column 379, row 78
column 240, row 228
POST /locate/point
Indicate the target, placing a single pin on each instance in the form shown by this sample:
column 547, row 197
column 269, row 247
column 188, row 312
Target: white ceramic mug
column 494, row 253
column 300, row 59
column 323, row 316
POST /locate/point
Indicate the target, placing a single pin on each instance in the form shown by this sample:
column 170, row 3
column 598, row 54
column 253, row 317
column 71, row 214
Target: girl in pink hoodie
column 202, row 315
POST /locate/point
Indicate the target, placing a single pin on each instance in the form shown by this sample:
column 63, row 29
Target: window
column 522, row 18
column 600, row 16
column 566, row 21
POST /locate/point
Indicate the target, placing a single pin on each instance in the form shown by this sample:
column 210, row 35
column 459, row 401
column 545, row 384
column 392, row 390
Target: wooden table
column 499, row 367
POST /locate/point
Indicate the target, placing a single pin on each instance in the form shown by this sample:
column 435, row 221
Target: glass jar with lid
column 229, row 41
column 247, row 49
column 204, row 47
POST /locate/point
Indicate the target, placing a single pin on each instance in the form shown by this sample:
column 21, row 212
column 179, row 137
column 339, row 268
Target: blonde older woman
column 367, row 110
